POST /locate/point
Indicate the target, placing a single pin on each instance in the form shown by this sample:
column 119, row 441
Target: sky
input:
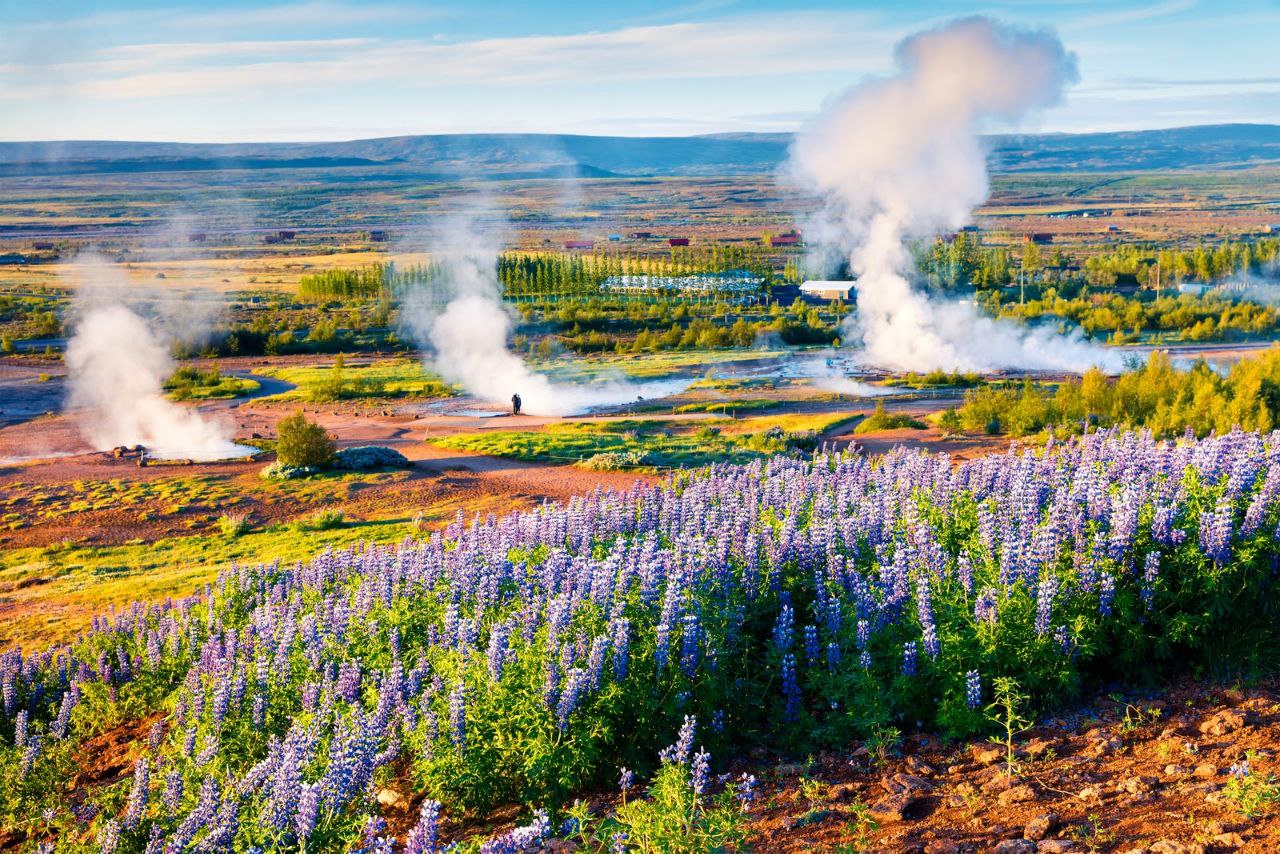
column 350, row 69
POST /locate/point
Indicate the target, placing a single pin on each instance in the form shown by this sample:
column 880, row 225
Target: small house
column 828, row 290
column 678, row 241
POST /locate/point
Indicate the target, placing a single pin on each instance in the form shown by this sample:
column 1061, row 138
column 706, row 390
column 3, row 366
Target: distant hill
column 510, row 156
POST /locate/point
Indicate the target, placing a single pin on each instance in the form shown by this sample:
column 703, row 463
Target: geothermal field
column 908, row 480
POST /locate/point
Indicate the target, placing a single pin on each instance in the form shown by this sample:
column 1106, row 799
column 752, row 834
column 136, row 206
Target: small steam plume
column 117, row 361
column 900, row 158
column 468, row 336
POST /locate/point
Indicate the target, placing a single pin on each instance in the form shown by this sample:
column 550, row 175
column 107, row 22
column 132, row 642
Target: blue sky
column 343, row 69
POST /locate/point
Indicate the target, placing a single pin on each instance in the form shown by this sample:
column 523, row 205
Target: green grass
column 657, row 444
column 882, row 420
column 188, row 384
column 381, row 379
column 643, row 365
column 730, row 406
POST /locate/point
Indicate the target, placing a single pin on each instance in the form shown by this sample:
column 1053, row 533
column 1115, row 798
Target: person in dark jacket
column 515, row 404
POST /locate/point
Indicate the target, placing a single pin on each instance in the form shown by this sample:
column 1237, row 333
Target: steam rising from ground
column 899, row 158
column 117, row 361
column 462, row 321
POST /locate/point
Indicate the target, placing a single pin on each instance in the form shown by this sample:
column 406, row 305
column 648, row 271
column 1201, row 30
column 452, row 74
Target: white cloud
column 745, row 46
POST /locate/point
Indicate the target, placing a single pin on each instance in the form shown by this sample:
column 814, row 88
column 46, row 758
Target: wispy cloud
column 746, row 46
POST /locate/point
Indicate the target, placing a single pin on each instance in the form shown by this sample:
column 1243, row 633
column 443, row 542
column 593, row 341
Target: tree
column 300, row 442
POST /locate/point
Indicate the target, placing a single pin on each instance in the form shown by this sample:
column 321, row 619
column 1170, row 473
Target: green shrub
column 883, row 420
column 322, row 520
column 300, row 442
column 233, row 525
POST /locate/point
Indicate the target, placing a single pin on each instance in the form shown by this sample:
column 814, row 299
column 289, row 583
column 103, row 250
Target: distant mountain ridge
column 507, row 156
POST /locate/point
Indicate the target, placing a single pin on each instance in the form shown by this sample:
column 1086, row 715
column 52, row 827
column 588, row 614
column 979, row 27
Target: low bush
column 303, row 443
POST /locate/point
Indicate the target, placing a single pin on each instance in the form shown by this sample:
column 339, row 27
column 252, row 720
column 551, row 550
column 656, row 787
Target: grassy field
column 381, row 379
column 644, row 365
column 651, row 444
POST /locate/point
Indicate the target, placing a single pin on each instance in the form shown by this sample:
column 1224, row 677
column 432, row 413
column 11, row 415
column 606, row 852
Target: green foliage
column 881, row 419
column 303, row 443
column 1156, row 396
column 1006, row 712
column 321, row 520
column 190, row 383
column 233, row 525
column 1254, row 795
column 673, row 818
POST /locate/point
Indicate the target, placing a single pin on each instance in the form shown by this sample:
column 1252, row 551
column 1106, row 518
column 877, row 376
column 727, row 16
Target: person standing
column 515, row 404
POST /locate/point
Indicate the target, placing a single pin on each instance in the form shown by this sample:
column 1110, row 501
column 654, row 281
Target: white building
column 827, row 290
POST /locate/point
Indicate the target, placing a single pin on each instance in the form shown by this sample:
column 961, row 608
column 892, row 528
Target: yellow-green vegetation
column 729, row 406
column 61, row 500
column 53, row 592
column 644, row 365
column 655, row 443
column 302, row 443
column 1122, row 319
column 936, row 379
column 881, row 419
column 1156, row 396
column 190, row 383
column 381, row 379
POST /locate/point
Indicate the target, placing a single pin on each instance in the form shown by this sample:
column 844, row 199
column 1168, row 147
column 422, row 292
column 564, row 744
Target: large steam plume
column 117, row 361
column 900, row 158
column 462, row 321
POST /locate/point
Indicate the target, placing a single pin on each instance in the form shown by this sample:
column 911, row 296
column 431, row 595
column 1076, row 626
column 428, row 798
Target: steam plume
column 899, row 158
column 117, row 362
column 468, row 337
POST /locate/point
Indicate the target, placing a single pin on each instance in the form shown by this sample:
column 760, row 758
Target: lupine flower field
column 798, row 603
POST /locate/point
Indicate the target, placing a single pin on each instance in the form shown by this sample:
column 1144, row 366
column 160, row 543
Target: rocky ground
column 1134, row 774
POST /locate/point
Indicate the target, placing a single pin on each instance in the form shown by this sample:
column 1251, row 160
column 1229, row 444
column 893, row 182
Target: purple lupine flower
column 172, row 796
column 1150, row 572
column 699, row 770
column 1047, row 590
column 422, row 839
column 782, row 629
column 811, row 644
column 909, row 658
column 138, row 794
column 924, row 610
column 618, row 843
column 984, row 608
column 745, row 791
column 20, row 729
column 790, row 686
column 973, row 689
column 1106, row 592
column 458, row 716
column 108, row 836
column 678, row 753
column 304, row 822
column 626, row 779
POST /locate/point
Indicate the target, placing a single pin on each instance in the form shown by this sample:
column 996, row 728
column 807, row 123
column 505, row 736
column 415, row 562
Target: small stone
column 1229, row 840
column 919, row 766
column 892, row 807
column 1139, row 785
column 1040, row 826
column 1206, row 770
column 390, row 798
column 560, row 846
column 1226, row 721
column 1172, row 846
column 1090, row 793
column 789, row 769
column 986, row 754
column 905, row 783
column 942, row 846
column 1176, row 770
column 1038, row 746
column 1054, row 846
column 1017, row 794
column 842, row 792
column 1015, row 846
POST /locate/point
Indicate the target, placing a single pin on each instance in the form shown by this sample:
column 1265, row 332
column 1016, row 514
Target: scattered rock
column 1176, row 770
column 1015, row 846
column 1139, row 785
column 789, row 769
column 905, row 783
column 1206, row 770
column 1227, row 721
column 986, row 754
column 391, row 798
column 893, row 807
column 842, row 792
column 1172, row 846
column 810, row 818
column 1229, row 840
column 942, row 846
column 1037, row 747
column 919, row 766
column 1054, row 846
column 1018, row 794
column 1040, row 826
